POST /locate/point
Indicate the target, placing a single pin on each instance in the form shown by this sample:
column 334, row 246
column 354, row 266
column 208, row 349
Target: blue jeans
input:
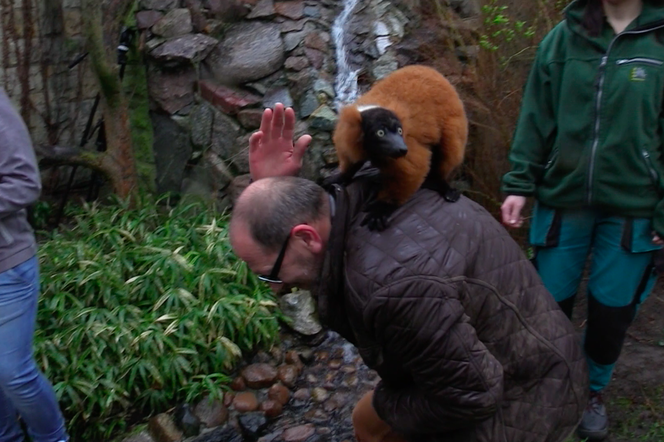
column 23, row 389
column 621, row 276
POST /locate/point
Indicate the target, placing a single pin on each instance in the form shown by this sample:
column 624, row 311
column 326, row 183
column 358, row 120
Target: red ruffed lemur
column 412, row 127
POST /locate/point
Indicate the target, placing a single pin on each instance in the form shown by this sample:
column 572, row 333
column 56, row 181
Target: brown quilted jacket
column 447, row 309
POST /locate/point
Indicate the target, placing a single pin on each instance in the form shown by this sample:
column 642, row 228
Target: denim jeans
column 24, row 390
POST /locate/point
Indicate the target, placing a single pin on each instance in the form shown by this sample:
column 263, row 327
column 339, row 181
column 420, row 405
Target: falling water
column 346, row 83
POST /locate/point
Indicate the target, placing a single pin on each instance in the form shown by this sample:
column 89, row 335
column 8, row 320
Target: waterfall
column 346, row 82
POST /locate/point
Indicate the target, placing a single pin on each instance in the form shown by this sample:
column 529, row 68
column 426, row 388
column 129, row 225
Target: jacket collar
column 330, row 289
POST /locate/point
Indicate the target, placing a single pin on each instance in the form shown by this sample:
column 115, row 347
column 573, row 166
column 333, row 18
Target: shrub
column 141, row 308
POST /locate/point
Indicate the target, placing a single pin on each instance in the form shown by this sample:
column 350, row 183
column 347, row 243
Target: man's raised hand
column 271, row 149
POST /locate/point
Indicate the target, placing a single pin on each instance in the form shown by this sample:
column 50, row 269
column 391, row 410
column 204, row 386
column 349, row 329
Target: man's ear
column 309, row 237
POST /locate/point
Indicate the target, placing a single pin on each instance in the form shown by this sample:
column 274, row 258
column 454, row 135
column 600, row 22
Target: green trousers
column 621, row 274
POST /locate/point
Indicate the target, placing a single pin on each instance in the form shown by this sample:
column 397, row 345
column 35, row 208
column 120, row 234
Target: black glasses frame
column 273, row 277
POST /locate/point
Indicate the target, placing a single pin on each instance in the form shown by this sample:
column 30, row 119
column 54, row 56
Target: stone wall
column 213, row 66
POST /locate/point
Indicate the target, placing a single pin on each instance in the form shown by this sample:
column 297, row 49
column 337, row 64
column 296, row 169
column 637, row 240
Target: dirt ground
column 635, row 397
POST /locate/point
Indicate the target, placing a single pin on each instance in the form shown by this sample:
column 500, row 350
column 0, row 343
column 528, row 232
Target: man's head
column 280, row 227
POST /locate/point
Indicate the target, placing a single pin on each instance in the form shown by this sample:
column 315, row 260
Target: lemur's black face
column 383, row 135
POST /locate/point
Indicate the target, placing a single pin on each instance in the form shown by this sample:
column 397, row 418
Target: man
column 443, row 304
column 23, row 389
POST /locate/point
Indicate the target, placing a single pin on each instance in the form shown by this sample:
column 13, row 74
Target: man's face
column 301, row 257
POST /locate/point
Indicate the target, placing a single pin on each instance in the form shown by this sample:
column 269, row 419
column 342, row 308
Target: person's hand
column 271, row 148
column 511, row 210
column 656, row 239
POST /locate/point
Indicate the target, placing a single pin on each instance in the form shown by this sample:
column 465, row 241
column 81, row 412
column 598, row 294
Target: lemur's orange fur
column 432, row 116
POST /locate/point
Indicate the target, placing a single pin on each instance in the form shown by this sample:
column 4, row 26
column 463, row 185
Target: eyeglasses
column 273, row 277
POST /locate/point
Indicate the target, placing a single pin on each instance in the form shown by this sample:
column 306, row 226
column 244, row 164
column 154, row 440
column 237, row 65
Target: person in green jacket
column 588, row 148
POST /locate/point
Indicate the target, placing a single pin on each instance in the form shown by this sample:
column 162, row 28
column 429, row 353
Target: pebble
column 302, row 394
column 317, row 416
column 348, row 369
column 298, row 434
column 211, row 413
column 259, row 375
column 246, row 401
column 279, row 393
column 319, row 394
column 335, row 364
column 238, row 384
column 287, row 374
column 271, row 408
column 228, row 399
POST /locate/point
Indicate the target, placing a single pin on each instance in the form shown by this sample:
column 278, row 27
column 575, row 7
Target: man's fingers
column 301, row 146
column 289, row 123
column 266, row 123
column 277, row 121
column 255, row 141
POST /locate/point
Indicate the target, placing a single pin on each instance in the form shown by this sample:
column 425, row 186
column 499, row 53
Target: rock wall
column 215, row 65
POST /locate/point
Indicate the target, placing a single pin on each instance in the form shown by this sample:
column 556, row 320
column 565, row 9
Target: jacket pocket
column 637, row 236
column 544, row 226
column 644, row 60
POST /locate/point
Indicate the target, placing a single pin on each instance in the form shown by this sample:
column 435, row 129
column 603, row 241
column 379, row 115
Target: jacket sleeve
column 534, row 133
column 457, row 381
column 20, row 183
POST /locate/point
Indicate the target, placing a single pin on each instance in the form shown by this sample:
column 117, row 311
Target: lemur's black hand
column 377, row 215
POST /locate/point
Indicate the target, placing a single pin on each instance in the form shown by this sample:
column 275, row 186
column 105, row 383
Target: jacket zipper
column 640, row 60
column 598, row 104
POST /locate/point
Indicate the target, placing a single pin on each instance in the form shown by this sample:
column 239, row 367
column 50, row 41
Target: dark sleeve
column 20, row 183
column 457, row 381
column 534, row 133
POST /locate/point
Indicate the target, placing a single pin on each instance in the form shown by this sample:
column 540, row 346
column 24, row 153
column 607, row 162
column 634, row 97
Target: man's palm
column 271, row 148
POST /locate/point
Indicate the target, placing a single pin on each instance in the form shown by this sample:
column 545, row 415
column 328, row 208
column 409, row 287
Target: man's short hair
column 280, row 204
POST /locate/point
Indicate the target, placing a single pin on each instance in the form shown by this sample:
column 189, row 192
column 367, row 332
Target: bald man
column 443, row 304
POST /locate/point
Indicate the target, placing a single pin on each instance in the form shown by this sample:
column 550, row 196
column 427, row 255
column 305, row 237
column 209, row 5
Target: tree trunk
column 118, row 161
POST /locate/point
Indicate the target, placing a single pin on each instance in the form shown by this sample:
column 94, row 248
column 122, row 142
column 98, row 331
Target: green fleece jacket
column 591, row 126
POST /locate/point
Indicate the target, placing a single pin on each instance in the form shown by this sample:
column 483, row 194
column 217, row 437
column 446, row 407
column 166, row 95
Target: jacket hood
column 651, row 15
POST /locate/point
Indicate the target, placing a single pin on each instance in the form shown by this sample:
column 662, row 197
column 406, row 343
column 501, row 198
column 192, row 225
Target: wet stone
column 228, row 399
column 303, row 394
column 298, row 434
column 307, row 356
column 252, row 424
column 211, row 413
column 220, row 434
column 319, row 394
column 287, row 374
column 259, row 375
column 293, row 358
column 316, row 416
column 271, row 408
column 238, row 384
column 244, row 402
column 186, row 420
column 312, row 379
column 279, row 393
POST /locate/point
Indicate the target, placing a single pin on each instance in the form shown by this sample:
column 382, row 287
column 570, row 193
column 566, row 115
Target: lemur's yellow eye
column 380, row 133
column 400, row 131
